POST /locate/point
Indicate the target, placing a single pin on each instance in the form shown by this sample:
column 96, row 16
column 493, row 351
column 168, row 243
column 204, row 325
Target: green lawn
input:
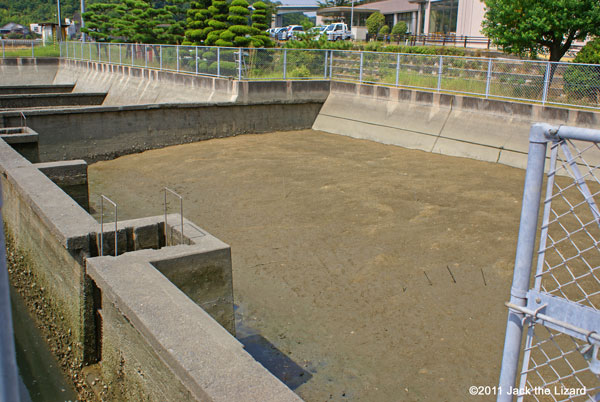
column 39, row 51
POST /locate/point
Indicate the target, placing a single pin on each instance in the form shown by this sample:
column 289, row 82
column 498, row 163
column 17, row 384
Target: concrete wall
column 27, row 71
column 35, row 89
column 174, row 351
column 96, row 133
column 484, row 129
column 136, row 85
column 164, row 305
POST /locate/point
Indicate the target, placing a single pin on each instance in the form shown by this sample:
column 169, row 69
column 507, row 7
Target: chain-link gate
column 560, row 358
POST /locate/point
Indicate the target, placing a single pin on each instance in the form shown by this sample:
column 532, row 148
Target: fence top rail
column 496, row 59
column 576, row 133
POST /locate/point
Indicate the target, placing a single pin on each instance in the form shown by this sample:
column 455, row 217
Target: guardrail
column 542, row 82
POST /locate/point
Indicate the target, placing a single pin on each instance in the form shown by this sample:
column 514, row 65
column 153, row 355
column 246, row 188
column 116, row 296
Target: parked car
column 338, row 31
column 275, row 32
column 316, row 32
column 292, row 32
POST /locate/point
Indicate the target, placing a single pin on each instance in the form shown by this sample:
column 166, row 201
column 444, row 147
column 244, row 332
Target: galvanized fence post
column 108, row 46
column 132, row 52
column 284, row 64
column 331, row 64
column 488, row 79
column 81, row 50
column 90, row 51
column 534, row 176
column 197, row 58
column 160, row 52
column 240, row 65
column 440, row 70
column 67, row 49
column 219, row 61
column 546, row 83
column 146, row 56
column 99, row 52
column 33, row 51
column 397, row 69
column 360, row 71
column 325, row 66
column 177, row 56
column 4, row 51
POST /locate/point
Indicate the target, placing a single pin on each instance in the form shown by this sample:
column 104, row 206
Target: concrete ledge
column 35, row 89
column 97, row 133
column 194, row 355
column 65, row 173
column 51, row 100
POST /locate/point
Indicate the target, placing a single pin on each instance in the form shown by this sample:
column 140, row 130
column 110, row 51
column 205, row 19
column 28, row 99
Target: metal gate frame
column 553, row 311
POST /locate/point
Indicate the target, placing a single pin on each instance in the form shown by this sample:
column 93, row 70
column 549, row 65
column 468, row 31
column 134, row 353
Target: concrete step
column 51, row 100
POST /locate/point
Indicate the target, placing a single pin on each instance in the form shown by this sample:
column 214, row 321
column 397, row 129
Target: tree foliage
column 197, row 18
column 375, row 22
column 217, row 22
column 528, row 27
column 135, row 21
column 259, row 26
column 238, row 33
column 400, row 28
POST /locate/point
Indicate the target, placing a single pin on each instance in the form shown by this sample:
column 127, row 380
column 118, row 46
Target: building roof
column 337, row 10
column 12, row 26
column 391, row 6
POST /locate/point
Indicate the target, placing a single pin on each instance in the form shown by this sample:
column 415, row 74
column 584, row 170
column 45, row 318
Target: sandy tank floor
column 380, row 271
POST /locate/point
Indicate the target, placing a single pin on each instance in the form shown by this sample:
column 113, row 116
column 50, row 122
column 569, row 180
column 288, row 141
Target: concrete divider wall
column 28, row 71
column 166, row 348
column 484, row 129
column 96, row 133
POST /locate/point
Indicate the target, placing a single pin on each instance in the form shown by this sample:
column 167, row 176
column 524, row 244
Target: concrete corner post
column 532, row 192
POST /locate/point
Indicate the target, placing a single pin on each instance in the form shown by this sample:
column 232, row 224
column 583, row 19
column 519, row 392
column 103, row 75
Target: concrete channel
column 167, row 281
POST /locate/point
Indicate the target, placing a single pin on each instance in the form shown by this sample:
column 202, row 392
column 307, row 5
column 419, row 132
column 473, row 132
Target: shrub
column 375, row 22
column 400, row 28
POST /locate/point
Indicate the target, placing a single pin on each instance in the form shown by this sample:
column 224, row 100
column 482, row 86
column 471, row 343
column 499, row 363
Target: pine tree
column 259, row 26
column 197, row 22
column 218, row 21
column 238, row 32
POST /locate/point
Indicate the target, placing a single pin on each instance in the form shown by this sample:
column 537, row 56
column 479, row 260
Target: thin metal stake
column 483, row 276
column 428, row 280
column 451, row 274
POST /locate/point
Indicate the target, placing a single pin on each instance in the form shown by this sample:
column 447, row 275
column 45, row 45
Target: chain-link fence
column 530, row 81
column 560, row 359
